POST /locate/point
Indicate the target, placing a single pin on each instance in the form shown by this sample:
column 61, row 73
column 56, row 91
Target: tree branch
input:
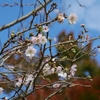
column 23, row 17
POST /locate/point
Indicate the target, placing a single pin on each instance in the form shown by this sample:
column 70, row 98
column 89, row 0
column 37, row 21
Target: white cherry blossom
column 59, row 69
column 72, row 18
column 33, row 39
column 62, row 75
column 30, row 52
column 40, row 39
column 29, row 78
column 45, row 29
column 73, row 69
column 60, row 18
column 18, row 84
column 52, row 70
column 43, row 40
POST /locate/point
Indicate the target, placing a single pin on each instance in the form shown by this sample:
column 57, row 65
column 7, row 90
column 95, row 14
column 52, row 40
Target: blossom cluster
column 72, row 18
column 46, row 64
column 25, row 81
column 40, row 39
column 66, row 75
column 48, row 70
column 31, row 51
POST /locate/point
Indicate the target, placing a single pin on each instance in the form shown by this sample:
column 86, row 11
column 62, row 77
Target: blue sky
column 90, row 16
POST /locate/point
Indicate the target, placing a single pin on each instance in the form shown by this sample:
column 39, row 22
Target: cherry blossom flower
column 57, row 85
column 72, row 18
column 59, row 69
column 73, row 69
column 33, row 39
column 39, row 36
column 52, row 70
column 37, row 40
column 43, row 40
column 29, row 78
column 53, row 59
column 40, row 39
column 60, row 18
column 1, row 89
column 62, row 75
column 45, row 29
column 46, row 67
column 47, row 70
column 18, row 84
column 30, row 52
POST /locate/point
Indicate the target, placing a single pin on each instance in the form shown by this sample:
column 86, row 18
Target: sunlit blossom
column 52, row 70
column 72, row 18
column 53, row 59
column 40, row 39
column 60, row 18
column 47, row 70
column 18, row 84
column 33, row 39
column 73, row 69
column 29, row 79
column 30, row 52
column 46, row 67
column 45, row 29
column 43, row 40
column 62, row 75
column 59, row 69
